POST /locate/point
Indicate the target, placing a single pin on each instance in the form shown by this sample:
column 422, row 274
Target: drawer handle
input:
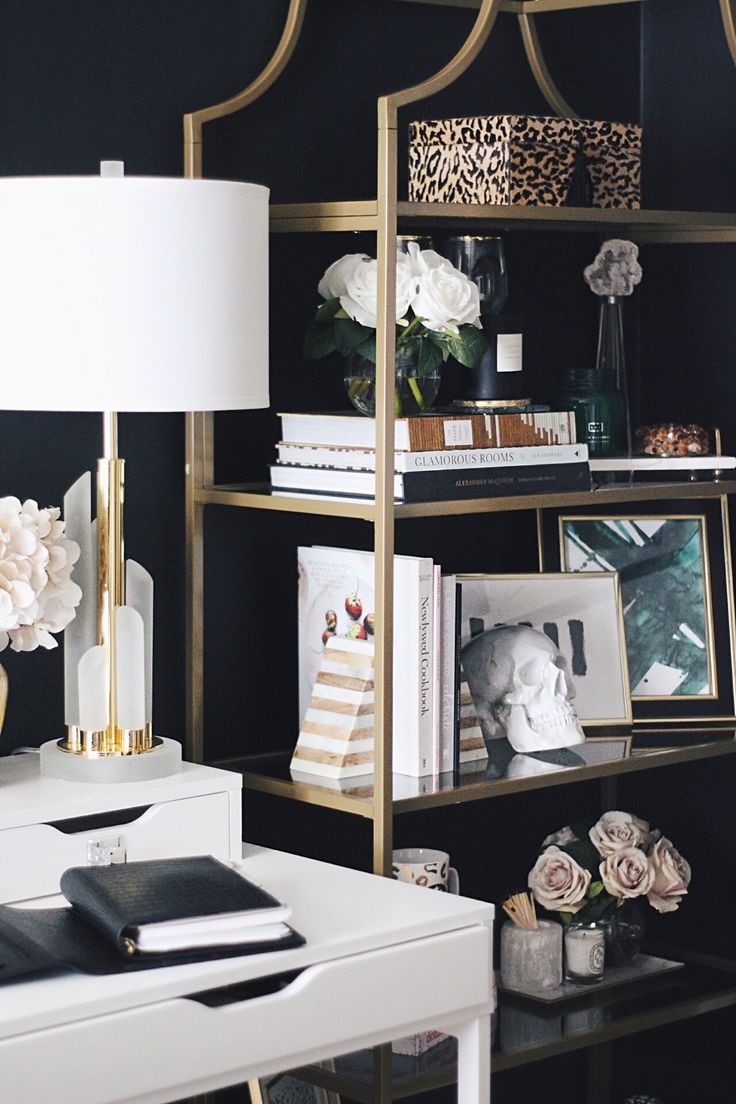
column 244, row 990
column 98, row 820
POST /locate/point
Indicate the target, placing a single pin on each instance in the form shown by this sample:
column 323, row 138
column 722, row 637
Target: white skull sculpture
column 517, row 678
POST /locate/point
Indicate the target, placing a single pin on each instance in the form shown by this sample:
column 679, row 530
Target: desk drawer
column 34, row 856
column 176, row 1048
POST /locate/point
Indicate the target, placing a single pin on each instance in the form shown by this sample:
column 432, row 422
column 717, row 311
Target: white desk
column 382, row 960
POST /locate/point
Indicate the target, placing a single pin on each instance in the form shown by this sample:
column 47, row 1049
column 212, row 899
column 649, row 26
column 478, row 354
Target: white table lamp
column 126, row 294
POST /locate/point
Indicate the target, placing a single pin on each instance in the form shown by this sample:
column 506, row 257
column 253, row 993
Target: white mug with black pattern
column 423, row 866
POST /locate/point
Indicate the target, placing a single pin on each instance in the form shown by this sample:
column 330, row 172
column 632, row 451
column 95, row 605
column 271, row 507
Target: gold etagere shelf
column 642, row 225
column 383, row 216
column 258, row 496
column 270, row 774
column 381, row 796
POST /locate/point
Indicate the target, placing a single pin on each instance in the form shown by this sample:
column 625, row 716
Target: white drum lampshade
column 126, row 294
column 133, row 294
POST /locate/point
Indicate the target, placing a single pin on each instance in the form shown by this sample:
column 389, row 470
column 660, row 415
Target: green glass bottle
column 600, row 410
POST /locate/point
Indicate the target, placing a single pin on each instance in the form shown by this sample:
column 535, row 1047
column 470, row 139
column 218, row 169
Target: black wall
column 83, row 80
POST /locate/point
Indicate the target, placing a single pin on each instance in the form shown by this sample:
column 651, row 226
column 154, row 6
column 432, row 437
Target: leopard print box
column 525, row 159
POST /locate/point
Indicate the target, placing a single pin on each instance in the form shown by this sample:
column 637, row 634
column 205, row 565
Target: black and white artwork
column 581, row 615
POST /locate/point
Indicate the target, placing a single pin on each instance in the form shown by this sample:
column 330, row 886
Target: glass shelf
column 641, row 225
column 505, row 772
column 529, row 1032
column 259, row 497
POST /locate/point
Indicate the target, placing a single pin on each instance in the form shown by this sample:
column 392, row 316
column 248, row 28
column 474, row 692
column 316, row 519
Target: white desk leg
column 473, row 1060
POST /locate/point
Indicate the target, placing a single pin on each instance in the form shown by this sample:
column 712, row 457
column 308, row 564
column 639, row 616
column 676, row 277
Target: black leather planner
column 113, row 905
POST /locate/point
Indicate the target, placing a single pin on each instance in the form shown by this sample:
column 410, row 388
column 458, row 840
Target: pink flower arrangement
column 589, row 874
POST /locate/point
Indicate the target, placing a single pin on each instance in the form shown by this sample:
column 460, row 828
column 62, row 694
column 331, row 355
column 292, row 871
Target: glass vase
column 415, row 390
column 610, row 362
column 498, row 381
column 625, row 933
column 599, row 408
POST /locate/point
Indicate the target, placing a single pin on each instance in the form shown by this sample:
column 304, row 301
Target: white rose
column 627, row 873
column 446, row 300
column 558, row 882
column 616, row 830
column 422, row 260
column 334, row 282
column 671, row 877
column 360, row 300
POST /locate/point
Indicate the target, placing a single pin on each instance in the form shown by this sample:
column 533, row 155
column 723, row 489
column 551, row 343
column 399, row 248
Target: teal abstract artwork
column 663, row 573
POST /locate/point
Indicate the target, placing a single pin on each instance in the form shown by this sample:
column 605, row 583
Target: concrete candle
column 531, row 958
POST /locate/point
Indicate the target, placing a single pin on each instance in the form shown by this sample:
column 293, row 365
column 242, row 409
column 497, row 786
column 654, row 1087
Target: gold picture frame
column 555, row 602
column 709, row 518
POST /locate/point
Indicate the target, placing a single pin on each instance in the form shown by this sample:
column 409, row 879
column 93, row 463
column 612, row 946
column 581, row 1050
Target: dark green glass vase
column 600, row 410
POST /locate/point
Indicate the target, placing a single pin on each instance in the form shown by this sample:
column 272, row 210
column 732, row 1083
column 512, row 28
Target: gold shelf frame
column 258, row 496
column 644, row 225
column 256, row 777
column 383, row 216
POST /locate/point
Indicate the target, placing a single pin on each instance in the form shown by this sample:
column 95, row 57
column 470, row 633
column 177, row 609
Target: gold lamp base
column 125, row 741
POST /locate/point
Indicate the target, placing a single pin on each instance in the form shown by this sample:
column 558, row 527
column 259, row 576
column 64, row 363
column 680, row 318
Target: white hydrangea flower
column 37, row 594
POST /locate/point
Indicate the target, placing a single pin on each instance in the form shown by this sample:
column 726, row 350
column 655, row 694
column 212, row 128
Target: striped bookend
column 470, row 736
column 336, row 736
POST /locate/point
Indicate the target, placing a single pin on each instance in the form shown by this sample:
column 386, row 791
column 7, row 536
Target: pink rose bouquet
column 589, row 873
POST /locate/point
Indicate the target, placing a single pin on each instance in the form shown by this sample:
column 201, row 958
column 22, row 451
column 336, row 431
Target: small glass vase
column 414, row 391
column 610, row 356
column 625, row 933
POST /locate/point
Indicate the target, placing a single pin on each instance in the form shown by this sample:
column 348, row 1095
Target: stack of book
column 438, row 456
column 434, row 731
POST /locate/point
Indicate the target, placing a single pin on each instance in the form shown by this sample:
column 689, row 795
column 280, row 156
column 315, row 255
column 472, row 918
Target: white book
column 433, row 430
column 336, row 591
column 364, row 459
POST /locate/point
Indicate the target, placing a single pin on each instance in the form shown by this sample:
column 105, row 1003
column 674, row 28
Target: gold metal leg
column 728, row 15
